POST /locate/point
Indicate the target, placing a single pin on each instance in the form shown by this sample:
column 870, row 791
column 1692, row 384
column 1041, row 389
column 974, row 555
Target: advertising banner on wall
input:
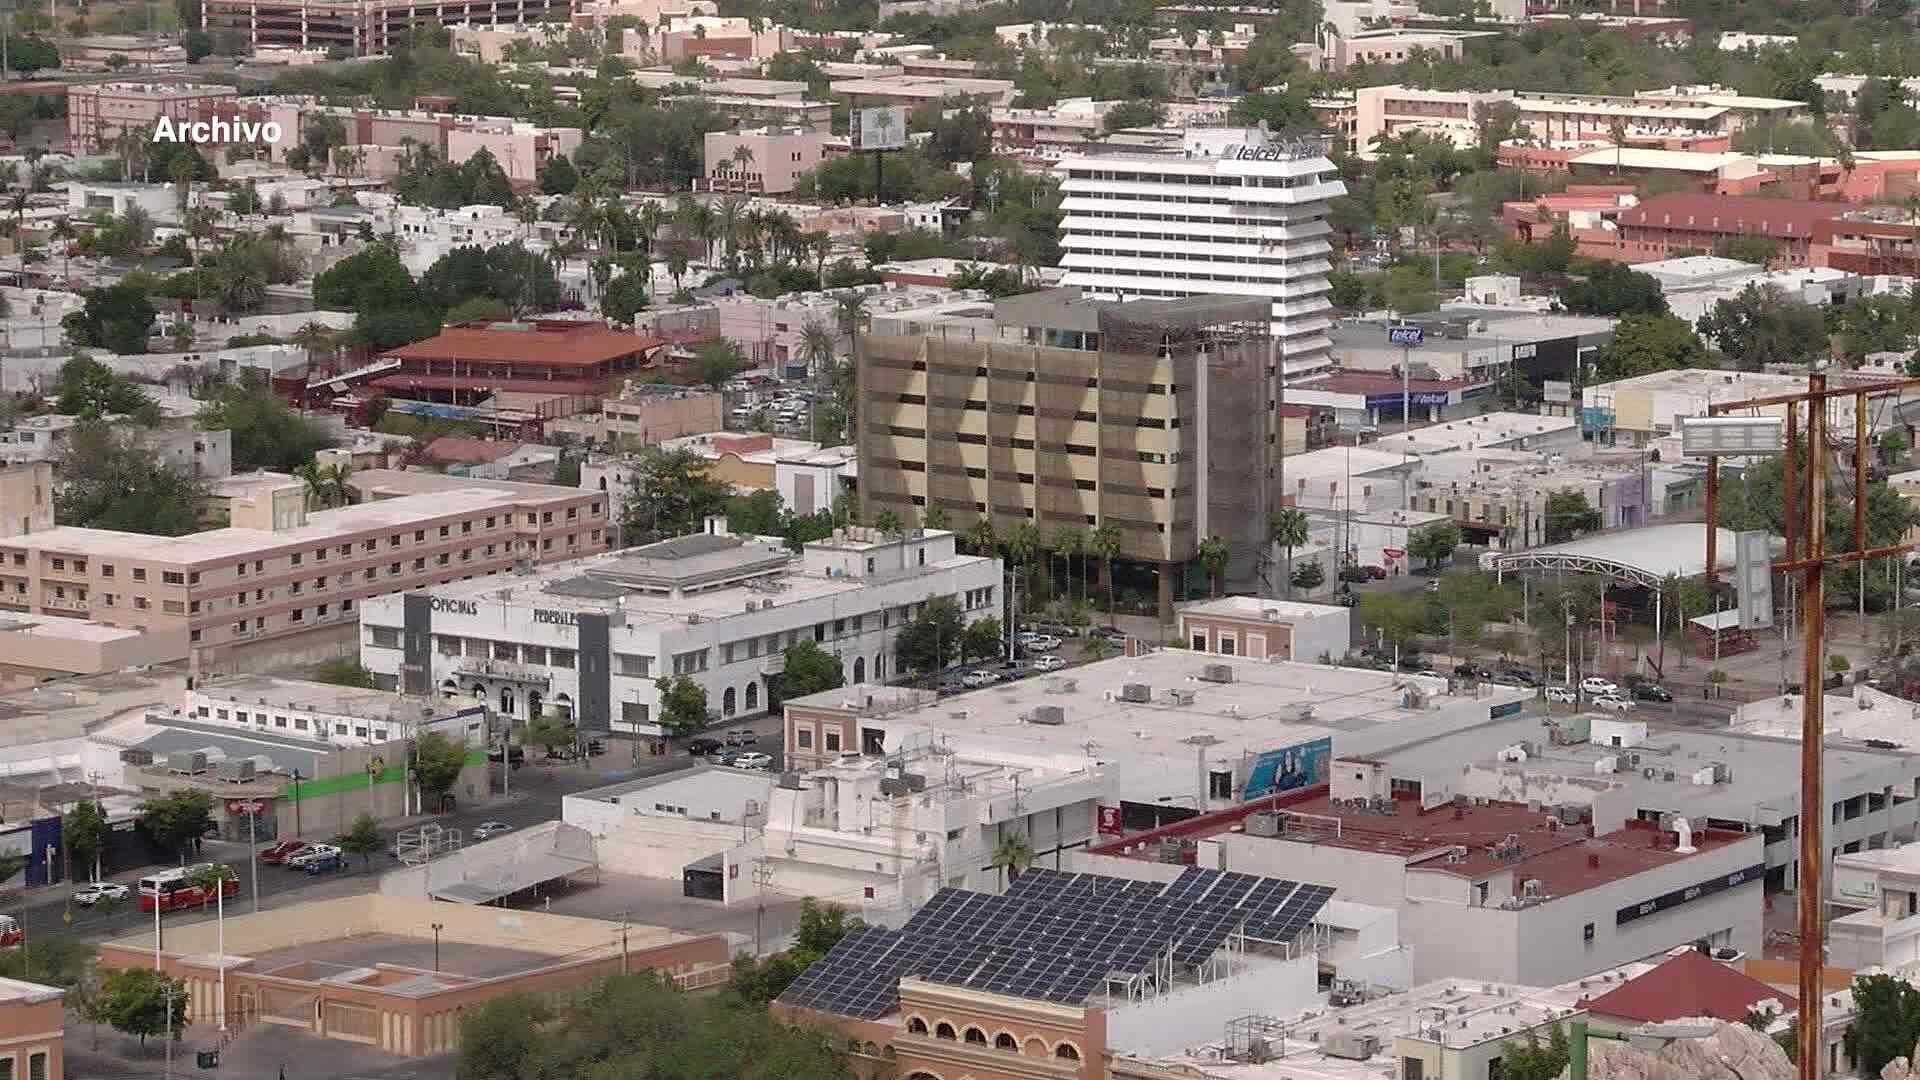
column 1298, row 766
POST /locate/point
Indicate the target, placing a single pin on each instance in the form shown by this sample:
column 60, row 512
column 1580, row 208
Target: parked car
column 1610, row 703
column 1563, row 695
column 1647, row 691
column 1415, row 662
column 313, row 852
column 1112, row 633
column 324, row 864
column 952, row 684
column 1377, row 573
column 1597, row 686
column 1059, row 630
column 277, row 854
column 1522, row 675
column 1049, row 663
column 89, row 895
column 703, row 746
column 1013, row 669
column 1472, row 671
column 1039, row 642
column 753, row 761
column 742, row 737
column 487, row 830
column 1505, row 679
column 976, row 679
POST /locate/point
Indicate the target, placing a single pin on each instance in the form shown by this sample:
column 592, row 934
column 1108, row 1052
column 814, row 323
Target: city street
column 536, row 790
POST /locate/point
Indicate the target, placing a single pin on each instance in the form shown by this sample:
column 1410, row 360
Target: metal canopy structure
column 498, row 868
column 1642, row 557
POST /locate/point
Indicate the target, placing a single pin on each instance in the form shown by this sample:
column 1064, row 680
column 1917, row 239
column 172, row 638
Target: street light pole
column 437, row 927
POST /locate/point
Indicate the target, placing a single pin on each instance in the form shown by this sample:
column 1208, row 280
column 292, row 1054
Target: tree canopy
column 266, row 433
column 114, row 317
column 670, row 494
column 1762, row 326
column 90, row 389
column 110, row 481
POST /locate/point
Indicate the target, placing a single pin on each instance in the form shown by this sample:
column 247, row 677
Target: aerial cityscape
column 916, row 540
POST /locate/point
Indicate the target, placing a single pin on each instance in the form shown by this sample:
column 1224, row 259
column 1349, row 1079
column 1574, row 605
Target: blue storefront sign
column 1406, row 337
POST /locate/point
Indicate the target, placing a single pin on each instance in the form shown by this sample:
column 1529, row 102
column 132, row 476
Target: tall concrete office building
column 1152, row 416
column 1236, row 212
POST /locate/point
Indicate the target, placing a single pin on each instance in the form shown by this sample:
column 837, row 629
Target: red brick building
column 1665, row 224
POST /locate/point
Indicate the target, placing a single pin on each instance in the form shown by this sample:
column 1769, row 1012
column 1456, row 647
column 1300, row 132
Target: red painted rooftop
column 559, row 343
column 1731, row 214
column 1688, row 984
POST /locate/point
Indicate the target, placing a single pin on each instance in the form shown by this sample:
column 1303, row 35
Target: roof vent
column 1217, row 673
column 1136, row 693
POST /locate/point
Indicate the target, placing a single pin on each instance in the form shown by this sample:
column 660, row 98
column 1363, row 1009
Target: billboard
column 1301, row 765
column 880, row 128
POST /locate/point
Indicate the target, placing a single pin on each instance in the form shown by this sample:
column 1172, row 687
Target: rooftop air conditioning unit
column 1350, row 1045
column 1263, row 824
column 1137, row 693
column 1217, row 673
column 237, row 770
column 1051, row 715
column 190, row 762
column 136, row 756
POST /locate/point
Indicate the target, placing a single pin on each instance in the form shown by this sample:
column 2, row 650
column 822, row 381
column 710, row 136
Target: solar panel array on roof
column 1054, row 936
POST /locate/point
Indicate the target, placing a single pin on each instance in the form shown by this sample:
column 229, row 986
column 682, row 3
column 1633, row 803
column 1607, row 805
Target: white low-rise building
column 588, row 639
column 341, row 715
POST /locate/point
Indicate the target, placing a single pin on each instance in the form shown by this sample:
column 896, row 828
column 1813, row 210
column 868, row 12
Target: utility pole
column 762, row 880
column 1810, row 558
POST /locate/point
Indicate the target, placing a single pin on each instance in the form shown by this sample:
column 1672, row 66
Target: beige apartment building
column 646, row 413
column 33, row 1026
column 26, row 498
column 362, row 26
column 1152, row 416
column 97, row 113
column 286, row 587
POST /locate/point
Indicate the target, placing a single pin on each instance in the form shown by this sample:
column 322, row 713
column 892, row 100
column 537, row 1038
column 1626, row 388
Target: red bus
column 170, row 889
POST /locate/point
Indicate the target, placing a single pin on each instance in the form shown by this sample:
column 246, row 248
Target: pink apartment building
column 98, row 112
column 283, row 584
column 521, row 148
column 778, row 156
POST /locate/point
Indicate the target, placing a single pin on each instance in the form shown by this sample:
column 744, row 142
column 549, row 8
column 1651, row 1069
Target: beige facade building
column 32, row 1030
column 97, row 113
column 26, row 498
column 361, row 26
column 248, row 595
column 772, row 163
column 1150, row 416
column 646, row 413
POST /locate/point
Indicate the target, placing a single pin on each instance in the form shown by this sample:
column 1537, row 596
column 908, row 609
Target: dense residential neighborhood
column 1310, row 540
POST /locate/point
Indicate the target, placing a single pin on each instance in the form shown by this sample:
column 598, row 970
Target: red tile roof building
column 470, row 360
column 1665, row 224
column 1689, row 984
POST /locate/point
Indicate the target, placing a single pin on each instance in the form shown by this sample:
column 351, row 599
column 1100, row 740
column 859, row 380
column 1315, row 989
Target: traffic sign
column 1406, row 337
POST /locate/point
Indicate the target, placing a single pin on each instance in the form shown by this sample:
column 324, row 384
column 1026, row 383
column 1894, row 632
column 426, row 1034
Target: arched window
column 726, row 702
column 506, row 702
column 859, row 669
column 1004, row 1041
column 943, row 1031
column 603, row 483
column 976, row 1036
column 753, row 696
column 916, row 1026
column 1067, row 1052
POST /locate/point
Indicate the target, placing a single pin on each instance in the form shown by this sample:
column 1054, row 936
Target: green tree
column 670, row 494
column 806, row 668
column 1135, row 114
column 1762, row 326
column 176, row 821
column 1614, row 289
column 266, row 433
column 109, row 481
column 1011, row 856
column 362, row 838
column 548, row 733
column 1643, row 344
column 1534, row 1060
column 1886, row 1022
column 115, row 317
column 980, row 640
column 89, row 389
column 625, row 297
column 437, row 764
column 138, row 1001
column 1214, row 556
column 755, row 513
column 518, row 279
column 1309, row 577
column 1104, row 543
column 372, row 277
column 1435, row 543
column 558, row 176
column 501, row 1038
column 1399, row 618
column 717, row 361
column 84, row 828
column 931, row 641
column 1750, row 248
column 683, row 705
column 1569, row 515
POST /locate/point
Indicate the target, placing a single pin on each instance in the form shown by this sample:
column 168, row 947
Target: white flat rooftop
column 1863, row 716
column 1254, row 607
column 317, row 696
column 1269, row 704
column 62, row 627
column 1657, row 550
column 1489, row 431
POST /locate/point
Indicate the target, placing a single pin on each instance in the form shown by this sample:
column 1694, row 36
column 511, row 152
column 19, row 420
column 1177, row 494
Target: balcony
column 503, row 671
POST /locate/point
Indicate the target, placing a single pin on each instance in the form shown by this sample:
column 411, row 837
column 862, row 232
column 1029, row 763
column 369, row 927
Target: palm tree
column 1023, row 543
column 314, row 476
column 1288, row 528
column 820, row 242
column 1012, row 856
column 742, row 157
column 850, row 311
column 313, row 337
column 1104, row 544
column 731, row 214
column 651, row 217
column 1214, row 555
column 339, row 490
column 64, row 234
column 1070, row 541
column 1617, row 130
column 980, row 535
